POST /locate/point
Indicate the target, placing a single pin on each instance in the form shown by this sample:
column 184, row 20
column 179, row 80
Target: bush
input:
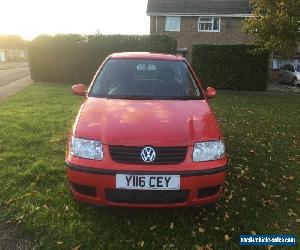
column 75, row 58
column 231, row 66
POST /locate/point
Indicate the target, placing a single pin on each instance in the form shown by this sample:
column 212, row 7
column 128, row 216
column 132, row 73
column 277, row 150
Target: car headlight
column 208, row 151
column 87, row 149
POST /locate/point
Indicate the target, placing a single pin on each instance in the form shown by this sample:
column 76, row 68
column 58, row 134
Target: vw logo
column 148, row 154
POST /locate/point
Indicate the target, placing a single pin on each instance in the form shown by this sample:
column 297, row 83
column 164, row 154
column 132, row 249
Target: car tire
column 280, row 80
column 294, row 82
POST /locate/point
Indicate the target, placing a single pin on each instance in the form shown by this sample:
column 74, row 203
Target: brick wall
column 231, row 32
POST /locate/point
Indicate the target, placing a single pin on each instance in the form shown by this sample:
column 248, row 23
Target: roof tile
column 225, row 7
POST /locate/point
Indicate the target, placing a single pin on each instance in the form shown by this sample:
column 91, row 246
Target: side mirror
column 78, row 89
column 211, row 92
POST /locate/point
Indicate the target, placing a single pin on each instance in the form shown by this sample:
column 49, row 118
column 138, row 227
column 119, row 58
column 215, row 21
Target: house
column 199, row 21
column 13, row 55
column 2, row 56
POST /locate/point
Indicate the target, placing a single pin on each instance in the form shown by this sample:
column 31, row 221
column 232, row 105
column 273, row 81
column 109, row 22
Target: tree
column 276, row 24
column 11, row 42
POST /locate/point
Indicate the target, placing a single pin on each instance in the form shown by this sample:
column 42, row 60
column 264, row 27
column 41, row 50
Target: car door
column 291, row 73
column 284, row 73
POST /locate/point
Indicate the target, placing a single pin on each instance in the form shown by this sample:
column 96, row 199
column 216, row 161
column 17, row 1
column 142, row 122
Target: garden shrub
column 75, row 58
column 231, row 66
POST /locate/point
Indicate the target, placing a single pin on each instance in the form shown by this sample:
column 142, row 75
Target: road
column 10, row 72
column 14, row 77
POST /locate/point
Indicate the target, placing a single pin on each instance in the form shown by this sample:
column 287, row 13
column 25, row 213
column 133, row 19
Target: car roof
column 146, row 56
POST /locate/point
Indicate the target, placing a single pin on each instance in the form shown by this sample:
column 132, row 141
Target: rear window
column 145, row 79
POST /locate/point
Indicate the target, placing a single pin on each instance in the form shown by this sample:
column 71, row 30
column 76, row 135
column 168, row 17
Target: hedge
column 75, row 58
column 231, row 66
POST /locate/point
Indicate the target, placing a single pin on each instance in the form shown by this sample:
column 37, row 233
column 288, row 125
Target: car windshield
column 298, row 68
column 145, row 80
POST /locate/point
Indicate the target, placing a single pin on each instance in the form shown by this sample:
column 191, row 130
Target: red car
column 146, row 136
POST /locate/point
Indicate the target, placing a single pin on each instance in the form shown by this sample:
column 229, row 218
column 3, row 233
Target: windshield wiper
column 184, row 97
column 130, row 97
column 138, row 97
column 146, row 97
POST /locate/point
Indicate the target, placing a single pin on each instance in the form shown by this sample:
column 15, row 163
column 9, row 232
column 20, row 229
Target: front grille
column 146, row 196
column 132, row 154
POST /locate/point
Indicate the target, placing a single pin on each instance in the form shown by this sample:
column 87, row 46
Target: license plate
column 148, row 182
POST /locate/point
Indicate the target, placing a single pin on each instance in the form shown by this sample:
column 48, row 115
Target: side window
column 288, row 68
column 173, row 23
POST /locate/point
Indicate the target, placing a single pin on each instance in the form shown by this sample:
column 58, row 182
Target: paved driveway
column 13, row 78
column 10, row 72
column 283, row 88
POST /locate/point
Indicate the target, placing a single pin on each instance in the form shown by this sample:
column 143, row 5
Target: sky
column 30, row 18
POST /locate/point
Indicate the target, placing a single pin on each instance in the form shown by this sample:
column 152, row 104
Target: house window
column 172, row 23
column 209, row 24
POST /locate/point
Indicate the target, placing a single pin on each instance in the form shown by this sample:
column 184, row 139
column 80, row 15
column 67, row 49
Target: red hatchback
column 146, row 136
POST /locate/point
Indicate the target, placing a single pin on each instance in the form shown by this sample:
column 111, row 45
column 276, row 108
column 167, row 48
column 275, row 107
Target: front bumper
column 98, row 187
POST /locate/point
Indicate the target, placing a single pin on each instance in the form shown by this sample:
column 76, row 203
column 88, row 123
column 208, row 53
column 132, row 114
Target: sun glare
column 32, row 17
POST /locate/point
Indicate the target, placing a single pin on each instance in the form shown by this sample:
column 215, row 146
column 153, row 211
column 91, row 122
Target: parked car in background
column 290, row 73
column 146, row 136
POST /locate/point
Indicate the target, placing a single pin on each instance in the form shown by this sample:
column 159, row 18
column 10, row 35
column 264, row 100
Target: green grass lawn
column 262, row 190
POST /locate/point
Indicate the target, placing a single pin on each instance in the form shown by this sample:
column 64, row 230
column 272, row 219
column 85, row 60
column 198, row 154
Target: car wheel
column 294, row 82
column 280, row 80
